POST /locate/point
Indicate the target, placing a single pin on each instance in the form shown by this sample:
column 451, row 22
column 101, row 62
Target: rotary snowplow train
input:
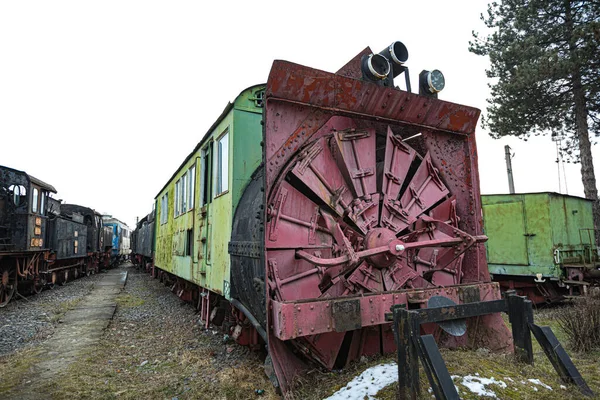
column 316, row 202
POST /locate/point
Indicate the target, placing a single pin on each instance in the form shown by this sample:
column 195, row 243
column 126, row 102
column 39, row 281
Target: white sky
column 105, row 99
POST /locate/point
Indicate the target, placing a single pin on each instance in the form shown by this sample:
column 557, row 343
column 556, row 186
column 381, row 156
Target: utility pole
column 508, row 157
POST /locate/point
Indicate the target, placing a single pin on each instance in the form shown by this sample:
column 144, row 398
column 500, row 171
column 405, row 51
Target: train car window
column 43, row 203
column 164, row 208
column 183, row 194
column 189, row 248
column 222, row 176
column 15, row 194
column 19, row 194
column 205, row 178
column 176, row 199
column 191, row 186
column 34, row 200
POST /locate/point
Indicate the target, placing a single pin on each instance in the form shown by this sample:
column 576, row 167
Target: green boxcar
column 203, row 194
column 540, row 243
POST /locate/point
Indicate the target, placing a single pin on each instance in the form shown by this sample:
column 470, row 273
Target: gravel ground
column 156, row 348
column 27, row 321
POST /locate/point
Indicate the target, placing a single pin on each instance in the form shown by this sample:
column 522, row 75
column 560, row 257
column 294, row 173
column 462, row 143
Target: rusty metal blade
column 356, row 158
column 424, row 190
column 317, row 169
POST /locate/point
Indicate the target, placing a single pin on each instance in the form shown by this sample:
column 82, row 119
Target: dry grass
column 125, row 300
column 581, row 323
column 15, row 367
column 145, row 363
column 59, row 310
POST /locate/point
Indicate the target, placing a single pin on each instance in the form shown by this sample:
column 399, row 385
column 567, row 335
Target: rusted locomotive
column 44, row 242
column 142, row 242
column 345, row 195
column 121, row 239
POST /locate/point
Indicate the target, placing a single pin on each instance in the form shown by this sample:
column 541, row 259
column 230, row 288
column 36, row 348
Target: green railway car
column 541, row 244
column 194, row 209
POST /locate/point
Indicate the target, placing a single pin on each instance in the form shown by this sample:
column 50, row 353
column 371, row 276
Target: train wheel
column 53, row 278
column 360, row 212
column 64, row 278
column 37, row 286
column 8, row 285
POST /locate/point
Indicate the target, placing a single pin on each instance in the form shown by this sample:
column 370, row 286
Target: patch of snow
column 367, row 384
column 563, row 387
column 508, row 379
column 478, row 385
column 538, row 382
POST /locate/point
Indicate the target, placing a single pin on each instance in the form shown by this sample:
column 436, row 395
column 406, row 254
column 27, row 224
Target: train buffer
column 412, row 346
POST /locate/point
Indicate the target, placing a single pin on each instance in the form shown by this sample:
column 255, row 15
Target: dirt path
column 81, row 328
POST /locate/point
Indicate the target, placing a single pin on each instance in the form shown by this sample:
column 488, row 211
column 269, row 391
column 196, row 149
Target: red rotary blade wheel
column 340, row 195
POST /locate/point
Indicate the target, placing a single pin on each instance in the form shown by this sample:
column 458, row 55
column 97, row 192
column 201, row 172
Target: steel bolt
column 399, row 247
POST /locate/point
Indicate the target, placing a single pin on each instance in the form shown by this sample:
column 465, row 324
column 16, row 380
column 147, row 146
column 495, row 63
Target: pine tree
column 545, row 71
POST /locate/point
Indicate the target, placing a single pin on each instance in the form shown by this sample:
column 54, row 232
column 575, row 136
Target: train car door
column 505, row 226
column 204, row 251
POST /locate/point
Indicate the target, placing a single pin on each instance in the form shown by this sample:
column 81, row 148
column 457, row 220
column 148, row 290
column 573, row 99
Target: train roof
column 109, row 219
column 205, row 137
column 33, row 179
column 78, row 208
column 530, row 193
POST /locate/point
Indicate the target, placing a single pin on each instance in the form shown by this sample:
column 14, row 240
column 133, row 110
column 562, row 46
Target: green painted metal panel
column 506, row 222
column 572, row 221
column 247, row 137
column 539, row 232
column 210, row 223
column 216, row 216
column 171, row 237
column 552, row 224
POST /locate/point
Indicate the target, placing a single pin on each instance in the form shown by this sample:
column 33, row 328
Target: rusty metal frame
column 292, row 320
column 412, row 346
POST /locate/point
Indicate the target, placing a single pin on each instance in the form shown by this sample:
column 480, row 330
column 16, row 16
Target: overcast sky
column 105, row 99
